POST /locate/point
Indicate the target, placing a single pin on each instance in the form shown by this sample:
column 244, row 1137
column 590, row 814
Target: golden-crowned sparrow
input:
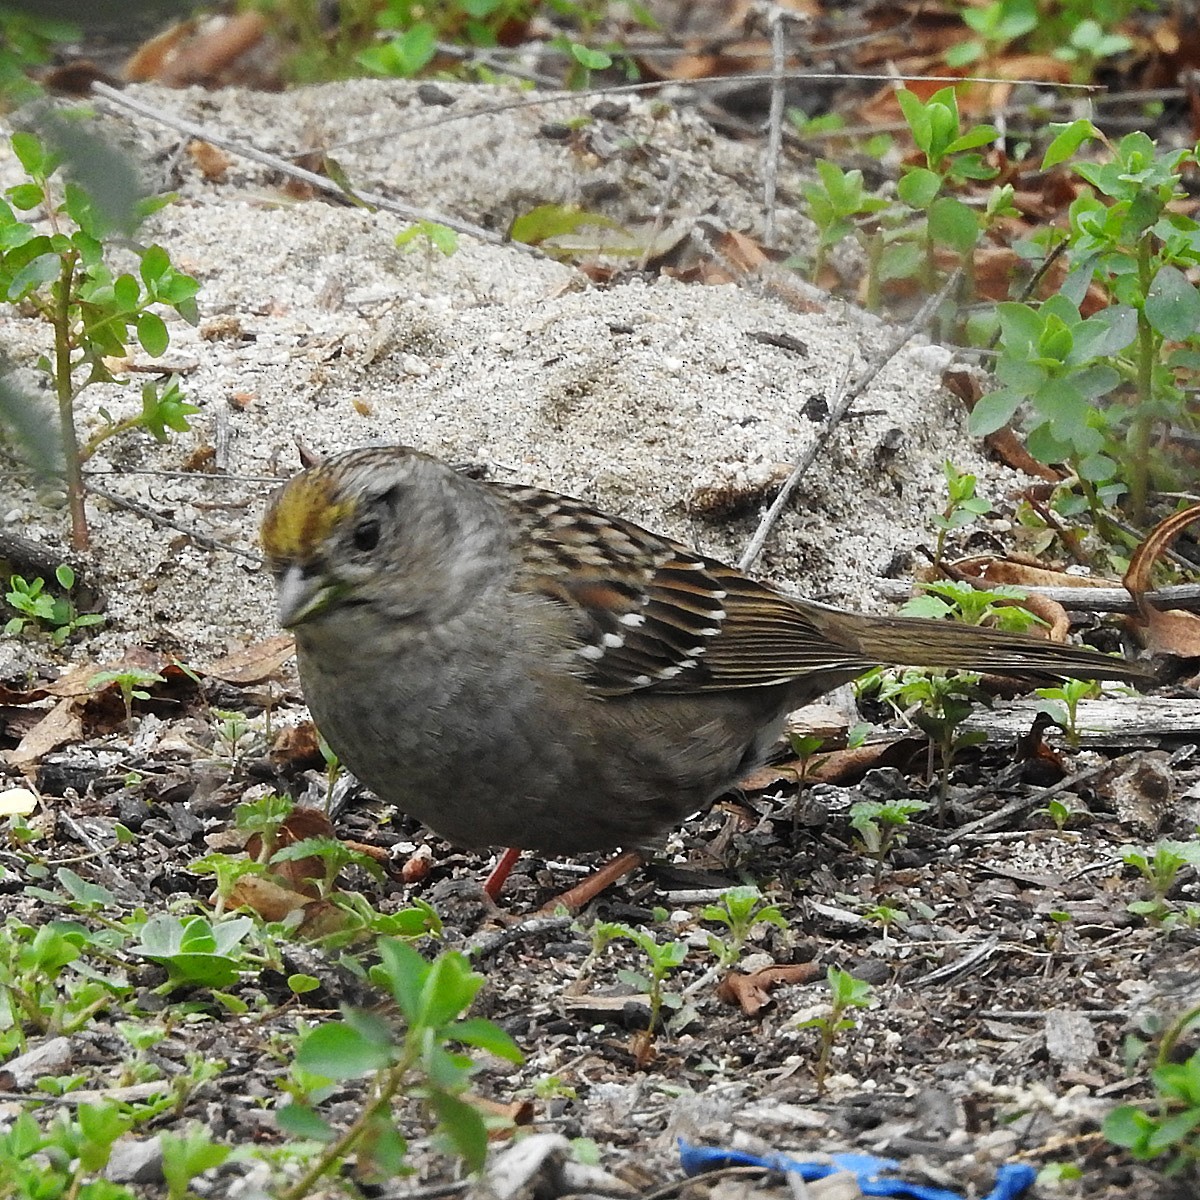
column 515, row 668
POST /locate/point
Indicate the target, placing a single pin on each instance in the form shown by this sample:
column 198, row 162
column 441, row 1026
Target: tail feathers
column 917, row 642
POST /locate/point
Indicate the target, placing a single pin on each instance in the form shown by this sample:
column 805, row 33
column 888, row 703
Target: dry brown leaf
column 209, row 52
column 255, row 663
column 752, row 993
column 265, row 896
column 1168, row 631
column 62, row 724
column 297, row 746
column 213, row 162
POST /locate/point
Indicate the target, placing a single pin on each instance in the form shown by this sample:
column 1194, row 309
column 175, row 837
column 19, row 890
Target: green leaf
column 152, row 333
column 340, row 1052
column 300, row 1121
column 485, row 1035
column 993, row 411
column 1173, row 304
column 464, row 1126
column 555, row 220
column 953, row 224
column 593, row 60
column 918, row 186
column 30, row 153
column 25, row 196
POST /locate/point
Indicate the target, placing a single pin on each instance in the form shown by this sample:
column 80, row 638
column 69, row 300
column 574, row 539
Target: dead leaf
column 254, row 663
column 62, row 724
column 1168, row 631
column 752, row 993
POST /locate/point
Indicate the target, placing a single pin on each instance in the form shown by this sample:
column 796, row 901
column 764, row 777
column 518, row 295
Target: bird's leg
column 500, row 872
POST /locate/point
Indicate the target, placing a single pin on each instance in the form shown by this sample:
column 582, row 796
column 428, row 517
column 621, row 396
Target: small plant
column 132, row 682
column 958, row 600
column 416, row 1058
column 56, row 613
column 807, row 748
column 846, row 993
column 1098, row 388
column 1160, row 866
column 431, row 235
column 963, row 508
column 1169, row 1127
column 1061, row 704
column 234, row 735
column 885, row 916
column 942, row 702
column 836, row 205
column 663, row 958
column 93, row 311
column 740, row 909
column 1059, row 811
column 196, row 951
column 882, row 827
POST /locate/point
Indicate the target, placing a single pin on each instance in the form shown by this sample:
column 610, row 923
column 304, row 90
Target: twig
column 201, row 539
column 1079, row 599
column 322, row 183
column 846, row 398
column 631, row 89
column 660, row 218
column 774, row 123
column 1001, row 816
column 961, row 966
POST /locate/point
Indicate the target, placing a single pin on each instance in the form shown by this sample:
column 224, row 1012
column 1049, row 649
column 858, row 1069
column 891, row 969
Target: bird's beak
column 302, row 597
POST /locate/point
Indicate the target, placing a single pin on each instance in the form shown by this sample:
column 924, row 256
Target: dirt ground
column 1001, row 1004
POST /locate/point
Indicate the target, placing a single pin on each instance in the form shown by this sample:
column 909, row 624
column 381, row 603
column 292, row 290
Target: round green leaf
column 1173, row 305
column 339, row 1052
column 152, row 333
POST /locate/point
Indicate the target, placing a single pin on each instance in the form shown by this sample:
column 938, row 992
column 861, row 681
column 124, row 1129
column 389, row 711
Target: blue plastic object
column 876, row 1176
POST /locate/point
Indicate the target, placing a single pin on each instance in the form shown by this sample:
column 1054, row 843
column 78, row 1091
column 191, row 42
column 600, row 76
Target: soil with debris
column 1001, row 1004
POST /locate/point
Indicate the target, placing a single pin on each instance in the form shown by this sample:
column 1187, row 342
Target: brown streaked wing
column 654, row 614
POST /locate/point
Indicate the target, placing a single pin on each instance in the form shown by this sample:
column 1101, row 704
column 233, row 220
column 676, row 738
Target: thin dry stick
column 127, row 104
column 1077, row 599
column 660, row 218
column 846, row 398
column 774, row 123
column 201, row 539
column 630, row 89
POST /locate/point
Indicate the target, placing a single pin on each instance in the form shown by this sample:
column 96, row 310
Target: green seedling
column 132, row 683
column 56, row 614
column 846, row 993
column 963, row 508
column 1059, row 811
column 431, row 235
column 882, row 827
column 195, row 951
column 885, row 916
column 187, row 1155
column 1098, row 388
column 1061, row 704
column 1160, row 866
column 1169, row 1127
column 664, row 959
column 420, row 1058
column 939, row 703
column 93, row 311
column 838, row 205
column 807, row 748
column 958, row 600
column 740, row 909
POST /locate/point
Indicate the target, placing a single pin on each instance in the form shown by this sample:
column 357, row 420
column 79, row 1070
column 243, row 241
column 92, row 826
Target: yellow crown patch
column 302, row 517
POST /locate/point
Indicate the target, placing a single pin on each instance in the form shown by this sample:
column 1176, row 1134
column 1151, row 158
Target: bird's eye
column 366, row 535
